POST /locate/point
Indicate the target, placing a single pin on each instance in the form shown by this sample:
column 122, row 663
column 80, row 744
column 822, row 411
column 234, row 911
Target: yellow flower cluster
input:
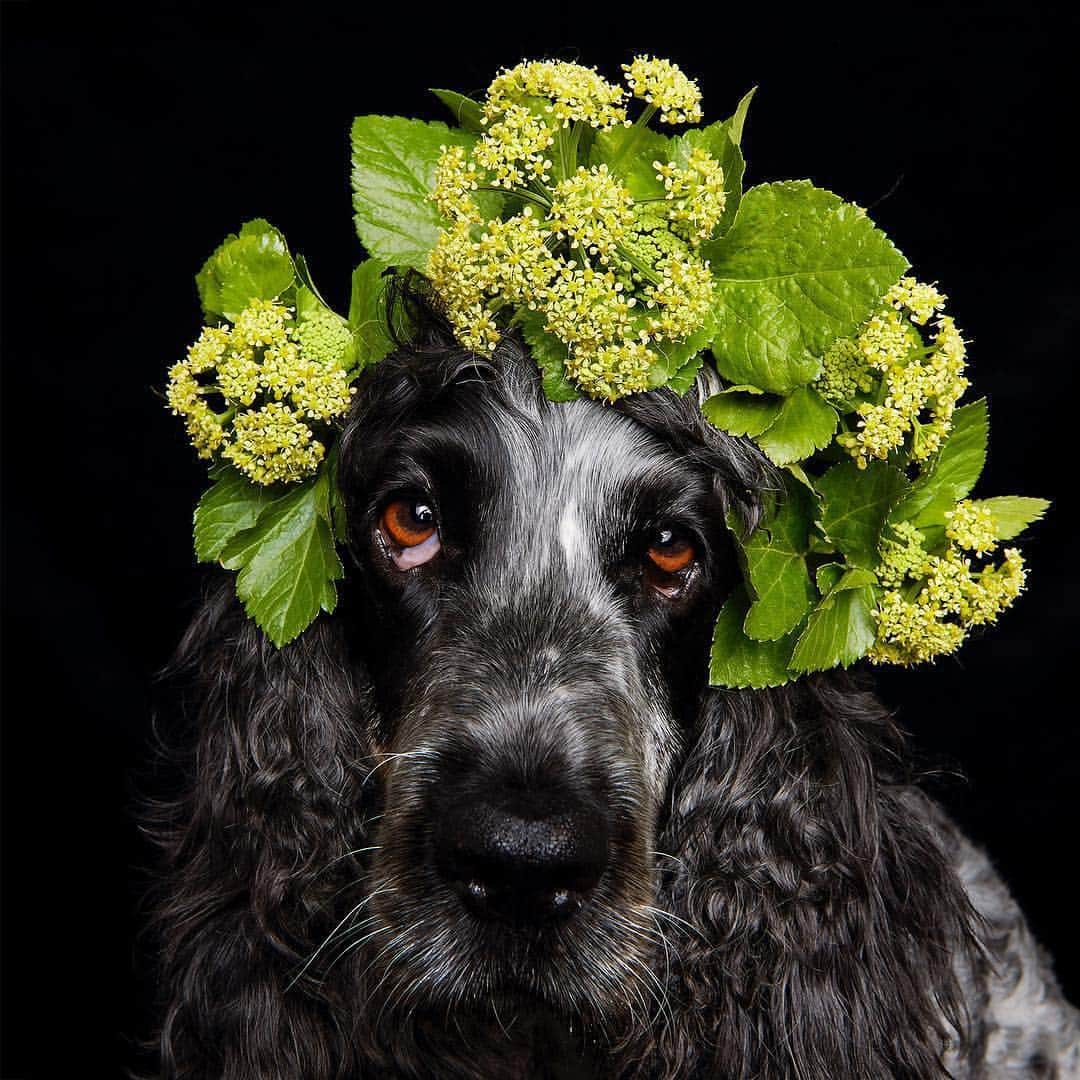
column 186, row 398
column 508, row 263
column 971, row 527
column 613, row 371
column 272, row 445
column 514, row 148
column 588, row 309
column 292, row 372
column 914, row 376
column 593, row 209
column 681, row 299
column 574, row 92
column 661, row 85
column 696, row 193
column 931, row 602
column 455, row 180
column 613, row 279
column 921, row 302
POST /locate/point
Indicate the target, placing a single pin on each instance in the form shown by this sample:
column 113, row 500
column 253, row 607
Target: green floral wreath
column 626, row 258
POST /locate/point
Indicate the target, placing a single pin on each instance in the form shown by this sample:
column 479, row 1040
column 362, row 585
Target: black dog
column 488, row 820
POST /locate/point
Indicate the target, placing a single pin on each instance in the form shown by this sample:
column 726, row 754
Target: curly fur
column 785, row 903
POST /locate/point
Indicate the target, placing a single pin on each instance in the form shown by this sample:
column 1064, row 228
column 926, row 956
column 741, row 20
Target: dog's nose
column 522, row 856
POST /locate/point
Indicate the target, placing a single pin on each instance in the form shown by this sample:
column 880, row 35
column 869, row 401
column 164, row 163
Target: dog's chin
column 587, row 972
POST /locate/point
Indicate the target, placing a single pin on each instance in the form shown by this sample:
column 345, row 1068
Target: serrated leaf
column 834, row 576
column 1014, row 513
column 254, row 264
column 683, row 379
column 953, row 472
column 393, row 175
column 287, row 562
column 676, row 354
column 367, row 313
column 799, row 269
column 828, row 575
column 229, row 506
column 549, row 353
column 839, row 631
column 804, row 423
column 466, row 112
column 856, row 503
column 775, row 558
column 741, row 413
column 629, row 152
column 738, row 661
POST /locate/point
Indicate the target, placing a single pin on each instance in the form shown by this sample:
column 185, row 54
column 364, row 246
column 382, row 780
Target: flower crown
column 626, row 258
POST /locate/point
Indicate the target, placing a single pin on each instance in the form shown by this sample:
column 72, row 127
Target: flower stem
column 646, row 271
column 645, row 116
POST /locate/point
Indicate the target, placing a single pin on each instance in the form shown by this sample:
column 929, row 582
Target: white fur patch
column 570, row 535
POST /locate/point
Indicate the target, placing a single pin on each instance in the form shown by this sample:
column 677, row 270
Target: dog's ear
column 826, row 918
column 269, row 800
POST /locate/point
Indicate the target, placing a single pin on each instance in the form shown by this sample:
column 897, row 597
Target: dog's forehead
column 585, row 456
column 593, row 447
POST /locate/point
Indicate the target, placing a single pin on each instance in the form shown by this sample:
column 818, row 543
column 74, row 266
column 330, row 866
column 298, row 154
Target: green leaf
column 228, row 507
column 953, row 472
column 835, row 577
column 288, row 563
column 1014, row 513
column 827, row 576
column 839, row 630
column 464, row 110
column 683, row 379
column 252, row 265
column 338, row 514
column 805, row 423
column 367, row 313
column 856, row 505
column 799, row 269
column 629, row 152
column 393, row 175
column 739, row 661
column 549, row 353
column 737, row 120
column 775, row 557
column 741, row 412
column 303, row 275
column 674, row 355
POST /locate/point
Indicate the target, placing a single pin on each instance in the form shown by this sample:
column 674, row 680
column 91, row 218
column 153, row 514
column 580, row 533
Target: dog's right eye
column 410, row 527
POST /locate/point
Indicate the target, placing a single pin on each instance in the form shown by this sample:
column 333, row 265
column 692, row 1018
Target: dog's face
column 539, row 583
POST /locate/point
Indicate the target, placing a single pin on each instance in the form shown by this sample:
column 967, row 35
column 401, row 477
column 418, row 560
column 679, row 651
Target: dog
column 488, row 819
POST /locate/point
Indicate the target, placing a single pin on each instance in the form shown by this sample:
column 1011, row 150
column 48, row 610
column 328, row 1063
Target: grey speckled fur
column 1021, row 1024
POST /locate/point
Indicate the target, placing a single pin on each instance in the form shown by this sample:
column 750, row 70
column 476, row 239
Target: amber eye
column 670, row 551
column 408, row 522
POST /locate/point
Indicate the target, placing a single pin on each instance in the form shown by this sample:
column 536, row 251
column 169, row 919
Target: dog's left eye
column 410, row 526
column 670, row 551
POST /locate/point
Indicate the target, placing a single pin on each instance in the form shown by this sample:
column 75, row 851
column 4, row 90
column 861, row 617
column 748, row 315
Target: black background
column 135, row 139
